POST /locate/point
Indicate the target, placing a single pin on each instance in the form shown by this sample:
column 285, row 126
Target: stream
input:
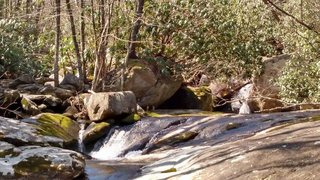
column 126, row 150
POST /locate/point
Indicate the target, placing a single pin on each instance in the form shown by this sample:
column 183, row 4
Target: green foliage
column 300, row 79
column 227, row 37
column 17, row 47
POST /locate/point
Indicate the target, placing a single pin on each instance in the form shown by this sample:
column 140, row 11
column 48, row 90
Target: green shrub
column 18, row 47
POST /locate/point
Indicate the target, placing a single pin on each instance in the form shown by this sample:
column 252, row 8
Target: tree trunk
column 82, row 40
column 57, row 44
column 135, row 30
column 74, row 38
column 100, row 63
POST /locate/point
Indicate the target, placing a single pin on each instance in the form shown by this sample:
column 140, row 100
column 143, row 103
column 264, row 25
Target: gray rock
column 41, row 162
column 101, row 106
column 63, row 93
column 29, row 106
column 70, row 79
column 19, row 133
column 277, row 151
column 23, row 79
column 56, row 125
column 8, row 150
column 95, row 131
column 29, row 88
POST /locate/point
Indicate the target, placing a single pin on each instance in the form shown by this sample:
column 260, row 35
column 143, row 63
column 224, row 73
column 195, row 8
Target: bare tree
column 134, row 34
column 82, row 40
column 102, row 42
column 57, row 43
column 74, row 38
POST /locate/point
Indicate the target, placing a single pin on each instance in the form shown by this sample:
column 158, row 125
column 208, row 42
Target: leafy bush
column 226, row 37
column 300, row 79
column 17, row 47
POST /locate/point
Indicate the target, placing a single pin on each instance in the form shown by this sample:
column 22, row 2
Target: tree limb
column 291, row 16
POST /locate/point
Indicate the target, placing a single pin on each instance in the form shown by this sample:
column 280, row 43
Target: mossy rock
column 132, row 118
column 95, row 131
column 43, row 163
column 8, row 150
column 29, row 106
column 59, row 126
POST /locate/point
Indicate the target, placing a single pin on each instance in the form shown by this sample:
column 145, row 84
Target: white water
column 80, row 138
column 112, row 148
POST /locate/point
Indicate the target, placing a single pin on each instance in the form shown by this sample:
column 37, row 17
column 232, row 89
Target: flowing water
column 131, row 140
column 81, row 146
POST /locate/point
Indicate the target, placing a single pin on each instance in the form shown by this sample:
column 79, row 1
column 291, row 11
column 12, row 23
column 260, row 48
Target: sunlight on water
column 80, row 138
column 112, row 148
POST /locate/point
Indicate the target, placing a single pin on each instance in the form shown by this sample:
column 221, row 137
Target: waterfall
column 130, row 140
column 81, row 146
column 113, row 146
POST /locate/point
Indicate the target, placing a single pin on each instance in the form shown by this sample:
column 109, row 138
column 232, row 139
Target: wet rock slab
column 287, row 150
column 39, row 162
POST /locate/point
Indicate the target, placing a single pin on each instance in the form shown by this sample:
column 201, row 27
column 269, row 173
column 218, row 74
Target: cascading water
column 81, row 146
column 130, row 140
column 113, row 145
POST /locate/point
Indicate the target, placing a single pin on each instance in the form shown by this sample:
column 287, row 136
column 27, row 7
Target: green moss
column 132, row 118
column 156, row 115
column 8, row 152
column 169, row 170
column 58, row 126
column 96, row 131
column 32, row 165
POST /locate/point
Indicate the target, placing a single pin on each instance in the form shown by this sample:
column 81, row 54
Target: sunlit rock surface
column 40, row 162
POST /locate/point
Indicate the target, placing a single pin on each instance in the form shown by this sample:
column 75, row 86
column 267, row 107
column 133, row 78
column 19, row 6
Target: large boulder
column 101, row 106
column 56, row 125
column 20, row 133
column 39, row 162
column 150, row 88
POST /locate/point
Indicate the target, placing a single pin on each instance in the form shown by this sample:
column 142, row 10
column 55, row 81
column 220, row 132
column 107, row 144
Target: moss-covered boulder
column 43, row 163
column 95, row 131
column 20, row 133
column 56, row 125
column 188, row 97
